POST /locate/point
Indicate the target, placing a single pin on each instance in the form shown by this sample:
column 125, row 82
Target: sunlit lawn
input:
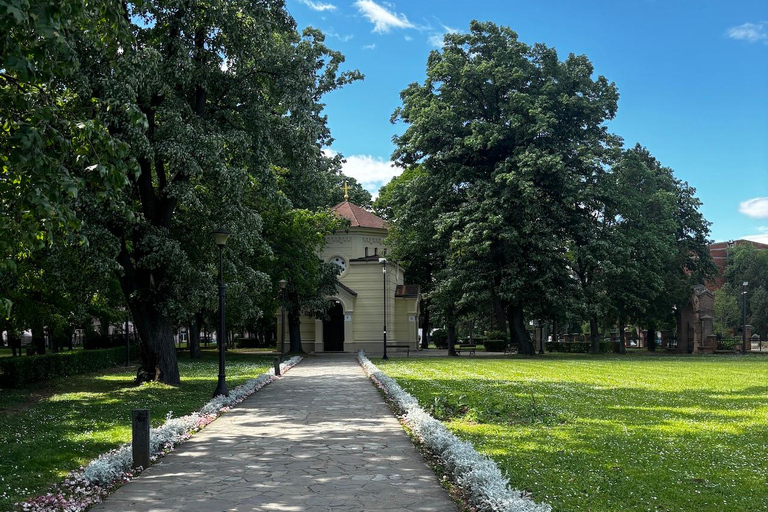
column 83, row 416
column 610, row 433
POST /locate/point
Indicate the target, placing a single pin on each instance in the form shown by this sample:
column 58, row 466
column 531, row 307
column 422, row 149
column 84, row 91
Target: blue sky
column 692, row 75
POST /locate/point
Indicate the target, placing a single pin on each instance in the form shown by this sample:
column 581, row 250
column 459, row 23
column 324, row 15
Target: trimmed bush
column 494, row 345
column 16, row 372
column 440, row 338
column 576, row 346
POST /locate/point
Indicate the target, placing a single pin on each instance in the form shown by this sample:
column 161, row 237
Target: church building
column 369, row 284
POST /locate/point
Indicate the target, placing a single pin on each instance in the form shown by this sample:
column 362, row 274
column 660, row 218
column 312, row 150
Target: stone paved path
column 319, row 439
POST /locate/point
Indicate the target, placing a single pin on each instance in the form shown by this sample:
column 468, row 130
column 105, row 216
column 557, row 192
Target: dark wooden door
column 333, row 329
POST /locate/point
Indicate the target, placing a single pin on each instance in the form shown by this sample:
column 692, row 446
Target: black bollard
column 140, row 441
column 277, row 366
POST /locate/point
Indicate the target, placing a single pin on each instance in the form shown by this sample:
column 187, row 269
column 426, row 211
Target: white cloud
column 343, row 39
column 756, row 208
column 752, row 32
column 370, row 171
column 383, row 20
column 318, row 6
column 436, row 39
column 408, row 38
column 762, row 239
column 369, row 46
column 763, row 229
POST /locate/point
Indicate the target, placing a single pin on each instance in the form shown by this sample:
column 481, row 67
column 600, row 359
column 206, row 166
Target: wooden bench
column 466, row 346
column 406, row 347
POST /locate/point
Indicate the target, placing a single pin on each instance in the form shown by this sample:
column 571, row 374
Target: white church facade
column 364, row 292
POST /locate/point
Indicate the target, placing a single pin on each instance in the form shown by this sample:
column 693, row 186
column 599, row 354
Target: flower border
column 91, row 484
column 477, row 475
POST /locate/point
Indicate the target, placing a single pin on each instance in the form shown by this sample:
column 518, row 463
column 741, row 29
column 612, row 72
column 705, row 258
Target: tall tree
column 227, row 93
column 518, row 134
column 659, row 247
column 747, row 263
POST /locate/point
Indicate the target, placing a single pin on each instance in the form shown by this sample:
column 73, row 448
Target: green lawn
column 77, row 418
column 610, row 433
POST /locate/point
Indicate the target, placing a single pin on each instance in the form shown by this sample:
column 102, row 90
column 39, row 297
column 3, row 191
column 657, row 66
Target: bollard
column 140, row 441
column 277, row 366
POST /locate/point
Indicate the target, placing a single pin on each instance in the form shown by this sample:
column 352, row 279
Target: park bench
column 466, row 346
column 406, row 347
column 511, row 348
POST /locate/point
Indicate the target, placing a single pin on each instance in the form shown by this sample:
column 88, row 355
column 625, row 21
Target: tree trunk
column 650, row 338
column 425, row 327
column 518, row 333
column 195, row 324
column 498, row 312
column 38, row 339
column 294, row 331
column 157, row 349
column 15, row 342
column 53, row 339
column 682, row 332
column 622, row 343
column 594, row 347
column 554, row 331
column 451, row 327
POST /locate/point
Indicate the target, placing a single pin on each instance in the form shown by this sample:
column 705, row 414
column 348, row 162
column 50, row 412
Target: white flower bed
column 91, row 484
column 476, row 474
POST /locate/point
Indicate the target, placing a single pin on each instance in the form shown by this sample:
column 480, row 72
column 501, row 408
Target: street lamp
column 383, row 262
column 744, row 316
column 220, row 236
column 282, row 282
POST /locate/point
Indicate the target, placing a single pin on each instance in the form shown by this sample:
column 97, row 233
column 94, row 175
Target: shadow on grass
column 609, row 433
column 82, row 416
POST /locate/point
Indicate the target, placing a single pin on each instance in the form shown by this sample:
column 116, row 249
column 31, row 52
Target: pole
column 127, row 345
column 221, row 387
column 744, row 319
column 385, row 309
column 282, row 324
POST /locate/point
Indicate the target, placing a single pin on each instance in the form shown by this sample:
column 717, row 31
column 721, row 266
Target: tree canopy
column 145, row 126
column 540, row 212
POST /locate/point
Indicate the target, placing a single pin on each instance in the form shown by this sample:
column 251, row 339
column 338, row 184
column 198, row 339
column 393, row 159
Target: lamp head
column 383, row 261
column 282, row 283
column 746, row 283
column 220, row 236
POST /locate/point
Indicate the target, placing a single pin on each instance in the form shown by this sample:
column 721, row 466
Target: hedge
column 16, row 372
column 495, row 345
column 576, row 346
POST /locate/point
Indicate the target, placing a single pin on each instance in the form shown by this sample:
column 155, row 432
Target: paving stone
column 320, row 439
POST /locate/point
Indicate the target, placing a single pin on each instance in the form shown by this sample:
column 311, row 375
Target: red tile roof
column 359, row 217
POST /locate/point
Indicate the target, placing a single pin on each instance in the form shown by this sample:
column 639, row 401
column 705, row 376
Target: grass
column 57, row 426
column 609, row 433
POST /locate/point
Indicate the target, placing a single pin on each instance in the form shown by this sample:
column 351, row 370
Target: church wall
column 353, row 244
column 406, row 330
column 365, row 278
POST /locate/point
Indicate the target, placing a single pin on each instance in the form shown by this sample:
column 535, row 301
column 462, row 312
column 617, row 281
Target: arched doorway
column 333, row 328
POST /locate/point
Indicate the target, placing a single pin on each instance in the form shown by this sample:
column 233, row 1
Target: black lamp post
column 744, row 317
column 220, row 236
column 127, row 344
column 383, row 262
column 282, row 282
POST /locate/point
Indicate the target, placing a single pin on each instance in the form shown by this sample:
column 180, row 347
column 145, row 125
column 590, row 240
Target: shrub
column 19, row 371
column 440, row 338
column 726, row 344
column 497, row 335
column 494, row 345
column 576, row 346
